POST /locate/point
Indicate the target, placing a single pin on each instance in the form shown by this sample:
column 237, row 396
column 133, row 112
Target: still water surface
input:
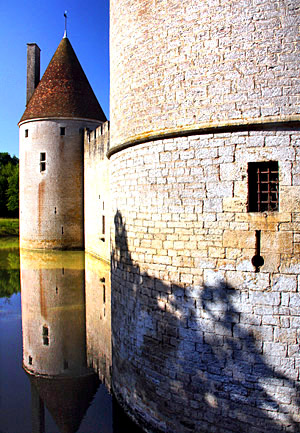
column 47, row 383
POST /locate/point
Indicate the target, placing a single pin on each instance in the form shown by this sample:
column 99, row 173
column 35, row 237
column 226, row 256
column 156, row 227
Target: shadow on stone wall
column 182, row 356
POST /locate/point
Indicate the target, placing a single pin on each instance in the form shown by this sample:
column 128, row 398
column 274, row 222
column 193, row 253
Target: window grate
column 263, row 186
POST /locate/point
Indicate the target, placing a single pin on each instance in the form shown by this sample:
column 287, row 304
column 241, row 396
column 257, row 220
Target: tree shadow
column 183, row 360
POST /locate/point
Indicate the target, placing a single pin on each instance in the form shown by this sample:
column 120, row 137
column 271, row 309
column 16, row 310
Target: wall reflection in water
column 66, row 333
column 98, row 317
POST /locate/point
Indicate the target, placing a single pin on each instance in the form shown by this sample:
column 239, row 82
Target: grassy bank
column 9, row 227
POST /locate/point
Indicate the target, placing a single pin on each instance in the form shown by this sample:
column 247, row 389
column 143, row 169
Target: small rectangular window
column 62, row 130
column 45, row 336
column 263, row 186
column 26, row 133
column 42, row 161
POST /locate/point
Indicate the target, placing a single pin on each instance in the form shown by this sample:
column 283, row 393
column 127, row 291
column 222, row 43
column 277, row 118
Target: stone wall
column 205, row 339
column 188, row 64
column 51, row 200
column 201, row 341
column 96, row 192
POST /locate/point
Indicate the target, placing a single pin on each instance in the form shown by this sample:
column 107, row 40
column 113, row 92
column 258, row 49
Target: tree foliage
column 9, row 185
column 9, row 273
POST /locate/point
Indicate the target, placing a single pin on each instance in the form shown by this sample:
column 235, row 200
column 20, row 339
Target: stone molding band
column 59, row 119
column 208, row 128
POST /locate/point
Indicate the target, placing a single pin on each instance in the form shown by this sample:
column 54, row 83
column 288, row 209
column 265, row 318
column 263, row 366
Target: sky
column 43, row 22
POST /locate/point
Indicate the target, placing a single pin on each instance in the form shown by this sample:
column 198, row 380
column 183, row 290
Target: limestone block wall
column 51, row 183
column 96, row 192
column 202, row 342
column 188, row 64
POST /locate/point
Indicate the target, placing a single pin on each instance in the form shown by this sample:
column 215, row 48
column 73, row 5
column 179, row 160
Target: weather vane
column 65, row 15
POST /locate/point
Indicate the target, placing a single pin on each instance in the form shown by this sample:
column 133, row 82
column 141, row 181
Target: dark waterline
column 102, row 416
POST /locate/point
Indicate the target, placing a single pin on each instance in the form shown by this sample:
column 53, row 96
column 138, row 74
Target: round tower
column 54, row 337
column 204, row 174
column 51, row 150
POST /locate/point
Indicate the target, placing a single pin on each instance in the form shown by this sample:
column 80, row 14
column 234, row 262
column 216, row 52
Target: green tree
column 9, row 273
column 12, row 191
column 9, row 185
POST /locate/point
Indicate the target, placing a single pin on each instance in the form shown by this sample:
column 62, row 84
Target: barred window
column 263, row 186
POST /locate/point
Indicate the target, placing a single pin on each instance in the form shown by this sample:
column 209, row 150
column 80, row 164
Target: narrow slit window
column 42, row 161
column 103, row 224
column 62, row 130
column 263, row 186
column 26, row 133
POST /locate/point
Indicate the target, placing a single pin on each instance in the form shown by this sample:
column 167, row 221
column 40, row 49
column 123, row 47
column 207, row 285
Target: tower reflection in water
column 66, row 333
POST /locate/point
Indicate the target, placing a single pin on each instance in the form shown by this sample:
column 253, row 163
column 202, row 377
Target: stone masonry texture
column 202, row 341
column 179, row 64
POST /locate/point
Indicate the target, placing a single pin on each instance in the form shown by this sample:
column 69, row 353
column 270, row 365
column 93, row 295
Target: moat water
column 37, row 393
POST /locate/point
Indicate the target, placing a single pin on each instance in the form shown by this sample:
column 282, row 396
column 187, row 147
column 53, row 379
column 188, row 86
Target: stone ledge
column 207, row 128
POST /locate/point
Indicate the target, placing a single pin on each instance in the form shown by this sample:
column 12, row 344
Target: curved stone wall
column 192, row 64
column 201, row 341
column 205, row 293
column 51, row 196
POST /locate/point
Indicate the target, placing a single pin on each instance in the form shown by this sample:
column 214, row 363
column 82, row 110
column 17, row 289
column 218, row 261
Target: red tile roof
column 64, row 90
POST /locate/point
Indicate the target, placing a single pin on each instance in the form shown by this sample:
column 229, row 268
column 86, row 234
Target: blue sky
column 42, row 22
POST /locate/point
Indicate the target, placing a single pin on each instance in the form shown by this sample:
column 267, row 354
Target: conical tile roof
column 64, row 90
column 66, row 398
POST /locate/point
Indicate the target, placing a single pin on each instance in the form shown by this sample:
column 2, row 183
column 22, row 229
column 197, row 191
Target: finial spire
column 65, row 15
